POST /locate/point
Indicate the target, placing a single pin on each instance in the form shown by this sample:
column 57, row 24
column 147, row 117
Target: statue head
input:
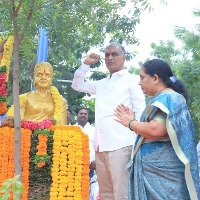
column 43, row 75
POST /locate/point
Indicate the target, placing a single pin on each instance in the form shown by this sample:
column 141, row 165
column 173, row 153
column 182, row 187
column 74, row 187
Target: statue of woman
column 45, row 102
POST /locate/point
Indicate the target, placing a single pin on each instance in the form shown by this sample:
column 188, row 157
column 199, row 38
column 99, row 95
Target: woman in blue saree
column 163, row 164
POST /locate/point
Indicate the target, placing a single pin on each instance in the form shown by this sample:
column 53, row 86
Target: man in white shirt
column 112, row 141
column 87, row 128
column 198, row 155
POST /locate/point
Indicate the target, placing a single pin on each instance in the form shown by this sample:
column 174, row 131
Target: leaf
column 5, row 196
column 8, row 181
column 4, row 188
column 17, row 188
column 15, row 197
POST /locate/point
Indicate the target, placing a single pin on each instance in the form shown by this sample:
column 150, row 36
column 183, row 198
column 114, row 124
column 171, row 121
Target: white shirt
column 198, row 155
column 122, row 87
column 89, row 130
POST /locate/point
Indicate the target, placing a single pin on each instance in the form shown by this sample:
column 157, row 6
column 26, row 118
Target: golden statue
column 45, row 102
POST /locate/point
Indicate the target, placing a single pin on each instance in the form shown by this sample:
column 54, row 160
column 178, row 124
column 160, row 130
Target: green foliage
column 40, row 175
column 165, row 50
column 43, row 132
column 186, row 64
column 134, row 70
column 11, row 186
column 73, row 28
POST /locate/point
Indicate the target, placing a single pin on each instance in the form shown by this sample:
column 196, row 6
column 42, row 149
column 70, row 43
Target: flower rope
column 7, row 156
column 70, row 179
column 58, row 103
column 4, row 72
column 65, row 174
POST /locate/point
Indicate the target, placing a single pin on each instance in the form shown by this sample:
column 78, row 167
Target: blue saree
column 162, row 170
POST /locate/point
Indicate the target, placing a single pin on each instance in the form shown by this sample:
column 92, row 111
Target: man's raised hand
column 91, row 59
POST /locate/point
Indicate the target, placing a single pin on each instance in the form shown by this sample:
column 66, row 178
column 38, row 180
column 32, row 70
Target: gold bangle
column 129, row 124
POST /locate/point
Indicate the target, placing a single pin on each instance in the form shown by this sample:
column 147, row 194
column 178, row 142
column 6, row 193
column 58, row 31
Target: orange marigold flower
column 41, row 164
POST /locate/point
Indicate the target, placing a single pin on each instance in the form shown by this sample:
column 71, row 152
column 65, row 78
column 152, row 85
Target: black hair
column 114, row 44
column 81, row 108
column 164, row 72
column 69, row 110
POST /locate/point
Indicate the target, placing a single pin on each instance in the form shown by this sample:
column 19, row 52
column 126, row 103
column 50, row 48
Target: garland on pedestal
column 55, row 161
column 4, row 72
column 7, row 156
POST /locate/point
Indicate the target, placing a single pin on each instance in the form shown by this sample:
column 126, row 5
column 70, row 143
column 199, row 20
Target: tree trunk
column 17, row 119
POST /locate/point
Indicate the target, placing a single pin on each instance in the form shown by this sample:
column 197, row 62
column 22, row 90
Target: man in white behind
column 87, row 128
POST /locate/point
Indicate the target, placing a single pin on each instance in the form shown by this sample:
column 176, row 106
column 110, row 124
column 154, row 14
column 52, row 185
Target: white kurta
column 121, row 87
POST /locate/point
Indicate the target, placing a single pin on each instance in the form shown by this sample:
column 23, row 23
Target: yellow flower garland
column 4, row 71
column 8, row 49
column 70, row 168
column 58, row 103
column 70, row 171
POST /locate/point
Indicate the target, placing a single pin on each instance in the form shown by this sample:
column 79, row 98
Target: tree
column 185, row 62
column 189, row 68
column 73, row 27
column 165, row 50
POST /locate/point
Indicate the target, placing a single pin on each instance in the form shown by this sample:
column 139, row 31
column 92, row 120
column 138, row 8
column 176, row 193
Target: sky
column 159, row 24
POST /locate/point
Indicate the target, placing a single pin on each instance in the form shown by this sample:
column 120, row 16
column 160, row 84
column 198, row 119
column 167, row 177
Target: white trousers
column 111, row 173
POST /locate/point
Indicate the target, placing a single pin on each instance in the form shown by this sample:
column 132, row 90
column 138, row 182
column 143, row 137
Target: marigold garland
column 41, row 148
column 7, row 156
column 8, row 49
column 68, row 166
column 4, row 72
column 41, row 156
column 58, row 103
column 25, row 160
column 3, row 108
column 70, row 169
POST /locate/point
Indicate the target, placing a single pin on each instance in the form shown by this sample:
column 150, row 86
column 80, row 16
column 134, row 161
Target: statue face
column 43, row 77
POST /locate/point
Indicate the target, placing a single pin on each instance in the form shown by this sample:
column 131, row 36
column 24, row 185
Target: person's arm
column 78, row 83
column 147, row 129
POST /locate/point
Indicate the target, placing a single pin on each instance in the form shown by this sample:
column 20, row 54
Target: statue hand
column 8, row 121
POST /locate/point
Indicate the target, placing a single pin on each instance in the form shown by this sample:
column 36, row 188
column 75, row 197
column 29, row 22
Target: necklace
column 160, row 91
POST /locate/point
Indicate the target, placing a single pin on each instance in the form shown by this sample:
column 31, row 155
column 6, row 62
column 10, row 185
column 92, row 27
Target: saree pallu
column 166, row 170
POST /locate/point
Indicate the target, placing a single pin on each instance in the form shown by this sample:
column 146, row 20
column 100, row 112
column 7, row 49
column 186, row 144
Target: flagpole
column 42, row 51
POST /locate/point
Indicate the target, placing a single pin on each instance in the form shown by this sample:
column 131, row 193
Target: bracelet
column 0, row 123
column 129, row 124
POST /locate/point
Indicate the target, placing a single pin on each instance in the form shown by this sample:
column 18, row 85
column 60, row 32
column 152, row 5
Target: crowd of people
column 138, row 150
